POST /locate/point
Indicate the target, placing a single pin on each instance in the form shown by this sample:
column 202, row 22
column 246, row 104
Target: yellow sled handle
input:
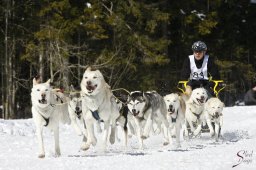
column 216, row 85
column 182, row 86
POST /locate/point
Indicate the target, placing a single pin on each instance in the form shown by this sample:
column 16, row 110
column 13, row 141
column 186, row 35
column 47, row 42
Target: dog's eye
column 94, row 77
column 86, row 77
column 174, row 100
column 38, row 90
column 46, row 89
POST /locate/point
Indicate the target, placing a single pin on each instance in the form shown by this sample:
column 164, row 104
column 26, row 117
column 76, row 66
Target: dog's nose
column 89, row 83
column 216, row 114
column 202, row 98
column 77, row 108
column 43, row 95
column 170, row 107
column 133, row 110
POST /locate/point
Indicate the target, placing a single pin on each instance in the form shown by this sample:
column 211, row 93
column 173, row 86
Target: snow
column 19, row 148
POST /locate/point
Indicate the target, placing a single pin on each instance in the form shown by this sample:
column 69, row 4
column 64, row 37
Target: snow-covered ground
column 19, row 148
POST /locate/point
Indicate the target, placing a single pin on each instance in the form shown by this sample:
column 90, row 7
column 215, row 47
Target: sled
column 219, row 85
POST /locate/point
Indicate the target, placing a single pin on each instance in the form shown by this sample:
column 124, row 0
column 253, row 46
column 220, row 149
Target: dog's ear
column 48, row 81
column 35, row 82
column 71, row 96
column 71, row 88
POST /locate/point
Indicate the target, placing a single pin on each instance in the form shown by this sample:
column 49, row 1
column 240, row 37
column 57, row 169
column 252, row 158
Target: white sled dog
column 98, row 105
column 194, row 114
column 175, row 115
column 147, row 108
column 48, row 108
column 214, row 117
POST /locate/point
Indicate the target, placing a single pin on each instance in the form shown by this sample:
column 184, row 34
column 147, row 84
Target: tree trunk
column 6, row 91
column 41, row 65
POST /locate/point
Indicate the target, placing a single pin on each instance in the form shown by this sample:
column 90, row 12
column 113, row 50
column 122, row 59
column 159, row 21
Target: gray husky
column 147, row 108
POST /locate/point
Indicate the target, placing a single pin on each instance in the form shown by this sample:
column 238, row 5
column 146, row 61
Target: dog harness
column 197, row 116
column 78, row 113
column 47, row 120
column 96, row 116
column 198, row 73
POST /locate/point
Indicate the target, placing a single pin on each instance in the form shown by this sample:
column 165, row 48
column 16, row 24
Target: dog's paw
column 196, row 133
column 177, row 146
column 79, row 133
column 142, row 147
column 157, row 131
column 129, row 135
column 112, row 139
column 94, row 142
column 118, row 139
column 57, row 154
column 173, row 136
column 85, row 147
column 211, row 133
column 144, row 137
column 186, row 138
column 166, row 143
column 216, row 138
column 41, row 156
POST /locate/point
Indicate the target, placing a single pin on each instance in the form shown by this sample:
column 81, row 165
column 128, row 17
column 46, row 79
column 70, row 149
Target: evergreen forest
column 136, row 44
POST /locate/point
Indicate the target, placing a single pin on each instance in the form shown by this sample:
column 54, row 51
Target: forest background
column 138, row 45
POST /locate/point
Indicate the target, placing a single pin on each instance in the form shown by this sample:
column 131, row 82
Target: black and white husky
column 49, row 107
column 147, row 108
column 75, row 111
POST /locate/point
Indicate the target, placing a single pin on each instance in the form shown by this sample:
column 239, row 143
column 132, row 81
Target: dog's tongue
column 90, row 88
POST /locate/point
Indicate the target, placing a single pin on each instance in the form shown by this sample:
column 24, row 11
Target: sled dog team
column 139, row 113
